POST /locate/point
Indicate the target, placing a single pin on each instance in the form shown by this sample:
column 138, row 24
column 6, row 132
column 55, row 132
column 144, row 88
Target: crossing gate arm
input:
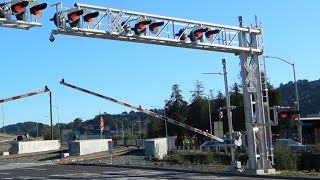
column 140, row 109
column 46, row 89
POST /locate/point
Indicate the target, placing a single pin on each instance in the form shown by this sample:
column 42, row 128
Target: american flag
column 101, row 124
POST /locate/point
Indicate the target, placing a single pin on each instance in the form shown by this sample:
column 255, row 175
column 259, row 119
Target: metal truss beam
column 113, row 24
column 18, row 24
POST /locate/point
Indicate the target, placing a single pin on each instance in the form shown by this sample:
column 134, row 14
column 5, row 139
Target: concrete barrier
column 157, row 148
column 63, row 155
column 6, row 153
column 82, row 147
column 34, row 146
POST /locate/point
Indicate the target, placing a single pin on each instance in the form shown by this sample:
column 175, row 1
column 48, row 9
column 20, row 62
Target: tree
column 153, row 128
column 198, row 112
column 77, row 123
column 275, row 98
column 198, row 109
column 236, row 99
column 177, row 109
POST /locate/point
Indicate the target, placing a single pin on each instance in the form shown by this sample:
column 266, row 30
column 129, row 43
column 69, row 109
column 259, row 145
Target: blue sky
column 29, row 61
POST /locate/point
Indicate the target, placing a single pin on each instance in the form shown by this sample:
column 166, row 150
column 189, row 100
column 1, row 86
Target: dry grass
column 300, row 173
column 5, row 143
column 7, row 137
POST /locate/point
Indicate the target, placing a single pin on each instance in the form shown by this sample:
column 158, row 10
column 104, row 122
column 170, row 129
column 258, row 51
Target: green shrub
column 314, row 149
column 284, row 158
column 202, row 158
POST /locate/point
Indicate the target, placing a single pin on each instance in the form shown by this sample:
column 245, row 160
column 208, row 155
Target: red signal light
column 197, row 33
column 140, row 26
column 154, row 26
column 88, row 16
column 293, row 116
column 288, row 114
column 283, row 115
column 209, row 34
column 74, row 17
column 36, row 9
column 19, row 7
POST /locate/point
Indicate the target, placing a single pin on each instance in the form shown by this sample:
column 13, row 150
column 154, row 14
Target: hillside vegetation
column 309, row 96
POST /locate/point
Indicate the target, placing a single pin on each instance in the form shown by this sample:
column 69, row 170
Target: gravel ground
column 137, row 159
column 31, row 159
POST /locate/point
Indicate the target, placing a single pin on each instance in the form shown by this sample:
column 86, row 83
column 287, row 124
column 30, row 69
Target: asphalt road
column 53, row 171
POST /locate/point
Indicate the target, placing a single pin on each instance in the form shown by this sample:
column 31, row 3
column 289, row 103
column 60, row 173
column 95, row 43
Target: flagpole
column 100, row 125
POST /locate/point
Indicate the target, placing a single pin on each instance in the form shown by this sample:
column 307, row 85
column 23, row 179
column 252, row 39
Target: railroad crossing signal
column 74, row 17
column 197, row 33
column 36, row 8
column 89, row 16
column 18, row 8
column 23, row 19
column 288, row 114
column 154, row 26
column 209, row 34
column 140, row 26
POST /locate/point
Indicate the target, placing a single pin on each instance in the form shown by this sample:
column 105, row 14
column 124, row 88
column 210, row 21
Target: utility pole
column 229, row 113
column 139, row 128
column 164, row 114
column 58, row 120
column 132, row 128
column 122, row 130
column 210, row 118
column 50, row 95
column 38, row 129
column 117, row 129
column 4, row 132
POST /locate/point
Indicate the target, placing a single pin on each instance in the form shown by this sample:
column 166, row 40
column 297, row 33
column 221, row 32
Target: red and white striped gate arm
column 46, row 89
column 164, row 118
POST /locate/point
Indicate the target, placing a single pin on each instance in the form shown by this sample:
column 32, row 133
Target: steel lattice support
column 258, row 160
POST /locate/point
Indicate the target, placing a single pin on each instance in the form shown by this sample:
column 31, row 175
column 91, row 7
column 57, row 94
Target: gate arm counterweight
column 164, row 118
